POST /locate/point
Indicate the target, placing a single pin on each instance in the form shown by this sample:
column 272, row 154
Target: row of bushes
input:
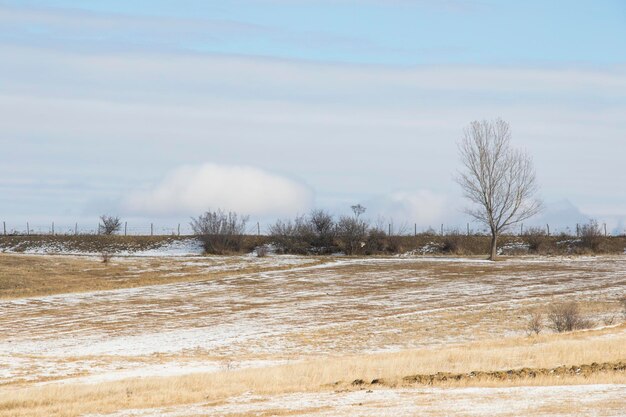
column 321, row 233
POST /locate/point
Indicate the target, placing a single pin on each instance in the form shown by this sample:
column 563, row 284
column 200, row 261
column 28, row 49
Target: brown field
column 286, row 335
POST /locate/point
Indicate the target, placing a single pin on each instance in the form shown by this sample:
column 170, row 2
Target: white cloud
column 421, row 207
column 353, row 132
column 191, row 190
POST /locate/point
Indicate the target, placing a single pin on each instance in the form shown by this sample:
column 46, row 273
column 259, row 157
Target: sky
column 159, row 110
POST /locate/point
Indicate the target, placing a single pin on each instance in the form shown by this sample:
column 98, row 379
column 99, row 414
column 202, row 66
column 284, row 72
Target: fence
column 184, row 229
column 127, row 229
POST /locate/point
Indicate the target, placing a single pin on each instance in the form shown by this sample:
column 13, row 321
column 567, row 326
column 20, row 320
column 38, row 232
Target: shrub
column 453, row 243
column 566, row 317
column 220, row 232
column 537, row 240
column 534, row 324
column 376, row 241
column 591, row 235
column 106, row 257
column 292, row 236
column 322, row 227
column 109, row 225
column 352, row 233
column 623, row 303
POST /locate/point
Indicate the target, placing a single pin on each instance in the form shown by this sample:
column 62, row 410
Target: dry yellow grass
column 333, row 314
column 38, row 275
column 331, row 374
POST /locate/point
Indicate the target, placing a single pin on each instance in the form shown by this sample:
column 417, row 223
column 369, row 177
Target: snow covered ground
column 169, row 247
column 298, row 310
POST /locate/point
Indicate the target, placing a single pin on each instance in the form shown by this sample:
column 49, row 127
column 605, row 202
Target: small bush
column 623, row 303
column 292, row 236
column 591, row 236
column 538, row 240
column 322, row 226
column 566, row 317
column 608, row 321
column 453, row 243
column 352, row 234
column 106, row 257
column 109, row 225
column 534, row 324
column 220, row 232
column 376, row 242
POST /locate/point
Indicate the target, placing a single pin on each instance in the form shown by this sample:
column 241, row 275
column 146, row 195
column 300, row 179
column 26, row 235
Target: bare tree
column 358, row 209
column 498, row 179
column 109, row 224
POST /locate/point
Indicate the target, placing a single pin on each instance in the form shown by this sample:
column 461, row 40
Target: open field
column 287, row 335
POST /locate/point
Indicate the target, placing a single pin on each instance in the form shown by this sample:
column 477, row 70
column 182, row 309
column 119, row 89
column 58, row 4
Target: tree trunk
column 494, row 246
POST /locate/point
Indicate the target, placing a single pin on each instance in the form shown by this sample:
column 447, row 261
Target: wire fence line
column 256, row 228
column 126, row 229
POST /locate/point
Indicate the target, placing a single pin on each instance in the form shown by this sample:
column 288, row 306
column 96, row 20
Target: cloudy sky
column 158, row 110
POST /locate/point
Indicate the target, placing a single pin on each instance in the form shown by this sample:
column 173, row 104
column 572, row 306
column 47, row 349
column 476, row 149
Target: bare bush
column 352, row 234
column 220, row 232
column 566, row 317
column 608, row 321
column 292, row 236
column 322, row 225
column 376, row 241
column 106, row 257
column 591, row 235
column 537, row 240
column 534, row 325
column 109, row 225
column 453, row 242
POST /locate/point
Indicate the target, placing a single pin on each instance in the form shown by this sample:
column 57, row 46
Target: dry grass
column 337, row 313
column 38, row 275
column 332, row 374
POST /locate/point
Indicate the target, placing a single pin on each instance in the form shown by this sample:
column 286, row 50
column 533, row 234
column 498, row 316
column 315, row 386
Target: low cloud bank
column 423, row 207
column 191, row 190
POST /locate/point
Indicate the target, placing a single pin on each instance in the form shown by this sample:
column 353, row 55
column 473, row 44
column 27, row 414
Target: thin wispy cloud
column 111, row 97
